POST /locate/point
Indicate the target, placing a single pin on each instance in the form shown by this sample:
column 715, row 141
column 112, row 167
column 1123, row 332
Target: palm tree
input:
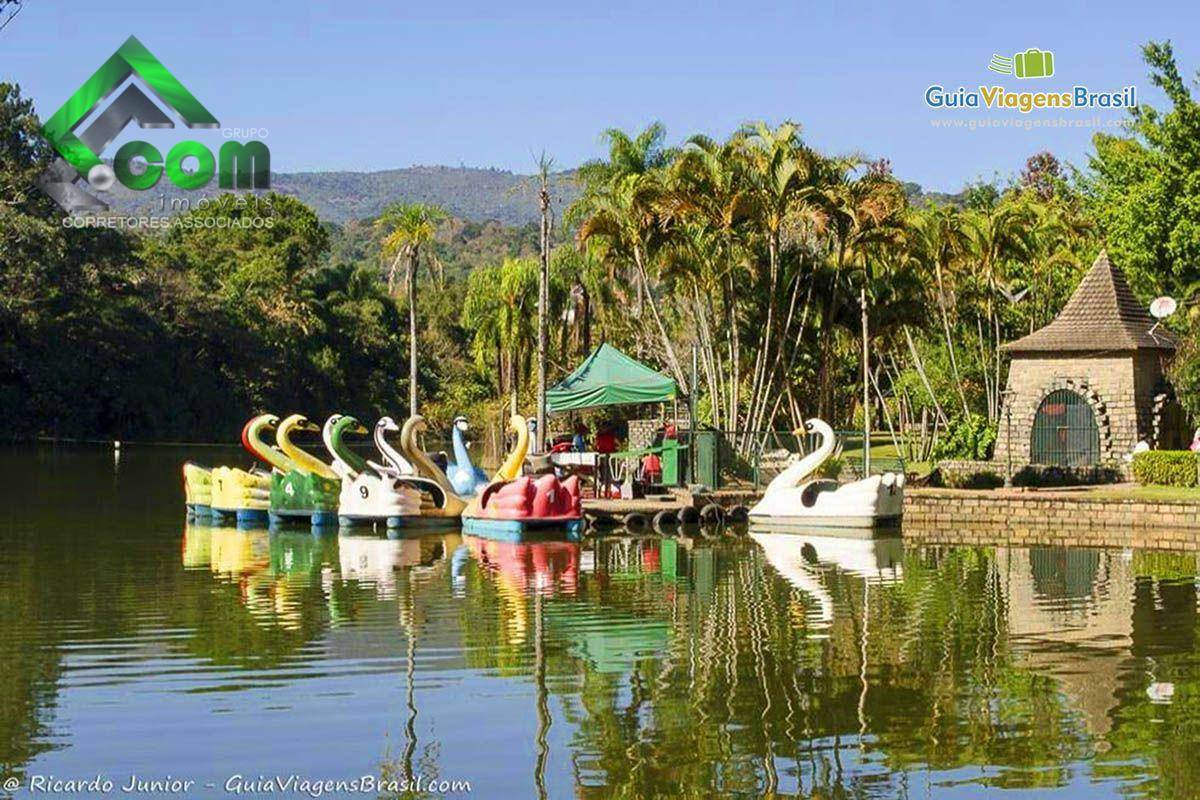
column 995, row 237
column 407, row 228
column 937, row 242
column 622, row 215
column 497, row 309
column 861, row 211
column 544, row 165
column 785, row 178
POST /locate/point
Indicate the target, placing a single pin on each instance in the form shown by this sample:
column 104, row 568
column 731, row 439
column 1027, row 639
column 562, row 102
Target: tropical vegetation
column 750, row 257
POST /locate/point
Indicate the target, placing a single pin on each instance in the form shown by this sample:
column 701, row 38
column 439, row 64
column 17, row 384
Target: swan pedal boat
column 197, row 489
column 308, row 489
column 795, row 500
column 513, row 504
column 244, row 494
column 371, row 493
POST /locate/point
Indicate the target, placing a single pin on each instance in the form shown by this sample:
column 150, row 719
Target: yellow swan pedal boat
column 197, row 489
column 245, row 494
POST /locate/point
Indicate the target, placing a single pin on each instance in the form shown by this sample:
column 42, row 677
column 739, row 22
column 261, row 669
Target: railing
column 751, row 459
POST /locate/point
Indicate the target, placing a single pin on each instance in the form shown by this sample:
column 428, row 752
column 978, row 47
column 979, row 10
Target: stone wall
column 947, row 516
column 1109, row 384
column 642, row 431
column 964, row 474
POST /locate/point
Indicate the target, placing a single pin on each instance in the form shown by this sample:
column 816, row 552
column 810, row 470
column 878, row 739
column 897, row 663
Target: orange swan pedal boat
column 514, row 504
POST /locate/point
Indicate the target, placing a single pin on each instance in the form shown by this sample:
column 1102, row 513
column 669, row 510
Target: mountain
column 466, row 192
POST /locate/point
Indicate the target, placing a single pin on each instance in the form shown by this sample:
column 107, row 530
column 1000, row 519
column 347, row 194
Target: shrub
column 1165, row 467
column 970, row 437
column 980, row 479
column 831, row 468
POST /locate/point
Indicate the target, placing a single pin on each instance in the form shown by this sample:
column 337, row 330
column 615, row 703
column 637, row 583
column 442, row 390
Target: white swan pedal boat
column 795, row 499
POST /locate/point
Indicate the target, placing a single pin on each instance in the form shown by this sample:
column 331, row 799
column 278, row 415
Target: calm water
column 132, row 643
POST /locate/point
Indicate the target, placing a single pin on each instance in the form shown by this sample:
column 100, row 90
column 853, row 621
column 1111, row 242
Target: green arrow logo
column 131, row 58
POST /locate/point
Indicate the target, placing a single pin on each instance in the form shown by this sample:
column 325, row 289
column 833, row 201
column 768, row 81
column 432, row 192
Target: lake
column 135, row 646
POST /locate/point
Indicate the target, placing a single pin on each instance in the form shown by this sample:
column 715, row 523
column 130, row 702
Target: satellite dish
column 1163, row 307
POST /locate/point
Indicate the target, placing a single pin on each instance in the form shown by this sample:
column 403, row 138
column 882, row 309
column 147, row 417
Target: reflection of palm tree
column 543, row 704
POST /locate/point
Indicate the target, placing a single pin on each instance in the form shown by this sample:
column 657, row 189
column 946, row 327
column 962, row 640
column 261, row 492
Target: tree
column 622, row 215
column 1143, row 191
column 544, row 165
column 1042, row 174
column 497, row 308
column 407, row 228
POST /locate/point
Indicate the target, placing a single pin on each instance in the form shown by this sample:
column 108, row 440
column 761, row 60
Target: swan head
column 298, row 422
column 349, row 424
column 262, row 422
column 460, row 422
column 386, row 424
column 517, row 424
column 817, row 425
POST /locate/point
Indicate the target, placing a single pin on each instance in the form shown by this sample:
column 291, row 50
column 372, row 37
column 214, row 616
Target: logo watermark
column 236, row 785
column 1031, row 63
column 139, row 165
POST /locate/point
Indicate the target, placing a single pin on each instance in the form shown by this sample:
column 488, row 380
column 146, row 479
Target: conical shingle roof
column 1102, row 315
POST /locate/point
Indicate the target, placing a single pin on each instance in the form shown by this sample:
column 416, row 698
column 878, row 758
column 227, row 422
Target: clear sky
column 376, row 85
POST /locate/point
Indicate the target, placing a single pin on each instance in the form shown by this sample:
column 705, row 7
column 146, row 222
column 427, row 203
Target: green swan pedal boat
column 308, row 490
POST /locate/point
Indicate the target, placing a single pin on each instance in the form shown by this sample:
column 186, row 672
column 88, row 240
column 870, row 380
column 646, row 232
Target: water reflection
column 729, row 664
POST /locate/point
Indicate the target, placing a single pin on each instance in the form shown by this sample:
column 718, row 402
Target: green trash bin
column 670, row 462
column 707, row 461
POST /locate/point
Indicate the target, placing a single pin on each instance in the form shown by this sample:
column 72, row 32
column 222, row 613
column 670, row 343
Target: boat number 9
column 364, row 491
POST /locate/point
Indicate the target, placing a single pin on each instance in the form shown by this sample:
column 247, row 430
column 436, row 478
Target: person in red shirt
column 606, row 443
column 606, row 440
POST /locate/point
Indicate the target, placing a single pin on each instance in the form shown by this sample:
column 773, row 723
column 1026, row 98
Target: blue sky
column 375, row 85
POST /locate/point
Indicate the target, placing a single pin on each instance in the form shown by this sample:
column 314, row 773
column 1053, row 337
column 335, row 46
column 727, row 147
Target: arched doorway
column 1065, row 433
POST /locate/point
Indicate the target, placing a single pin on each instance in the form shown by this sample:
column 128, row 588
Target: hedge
column 1166, row 467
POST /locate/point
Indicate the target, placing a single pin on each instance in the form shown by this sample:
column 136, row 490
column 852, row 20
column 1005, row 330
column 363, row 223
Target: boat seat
column 809, row 496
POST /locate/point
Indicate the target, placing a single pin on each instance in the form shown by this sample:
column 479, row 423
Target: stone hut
column 1089, row 386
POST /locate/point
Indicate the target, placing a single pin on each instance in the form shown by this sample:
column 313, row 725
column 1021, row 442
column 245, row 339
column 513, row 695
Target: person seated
column 651, row 468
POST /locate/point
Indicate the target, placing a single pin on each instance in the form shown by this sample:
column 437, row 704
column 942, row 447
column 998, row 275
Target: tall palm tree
column 497, row 308
column 861, row 211
column 938, row 243
column 997, row 236
column 544, row 165
column 623, row 216
column 407, row 228
column 785, row 178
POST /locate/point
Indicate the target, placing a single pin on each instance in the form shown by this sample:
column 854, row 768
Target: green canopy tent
column 608, row 377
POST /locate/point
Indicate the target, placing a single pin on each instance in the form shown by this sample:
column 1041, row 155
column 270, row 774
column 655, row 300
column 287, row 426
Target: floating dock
column 676, row 506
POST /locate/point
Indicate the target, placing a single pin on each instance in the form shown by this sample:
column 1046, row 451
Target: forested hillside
column 468, row 193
